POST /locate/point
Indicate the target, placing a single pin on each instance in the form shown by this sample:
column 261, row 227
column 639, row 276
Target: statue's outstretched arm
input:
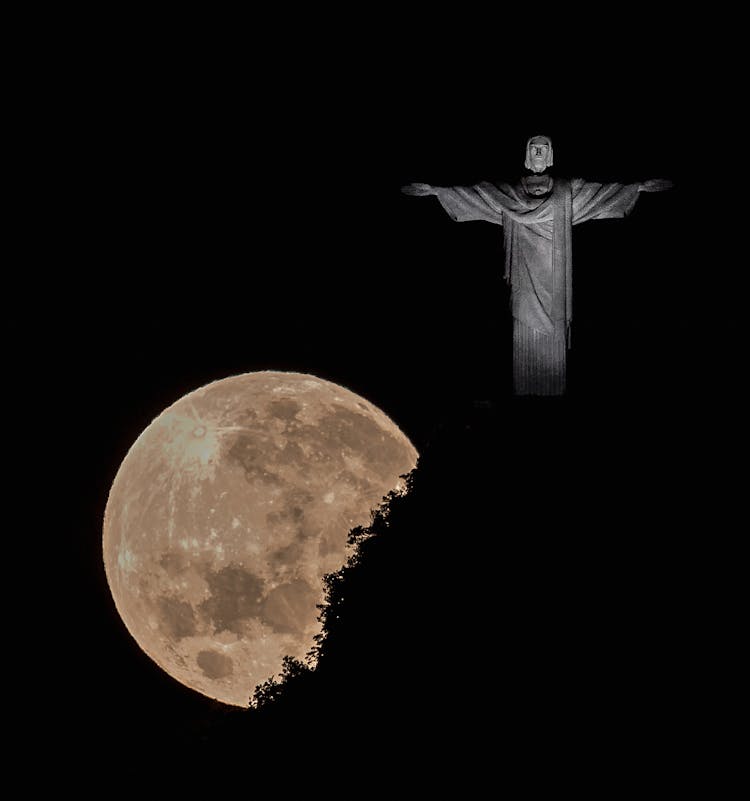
column 418, row 190
column 462, row 203
column 656, row 185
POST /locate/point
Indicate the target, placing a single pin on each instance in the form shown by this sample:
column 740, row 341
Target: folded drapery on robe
column 538, row 261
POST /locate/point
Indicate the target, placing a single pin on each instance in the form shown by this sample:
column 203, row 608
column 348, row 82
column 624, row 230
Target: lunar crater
column 177, row 617
column 284, row 409
column 214, row 665
column 235, row 596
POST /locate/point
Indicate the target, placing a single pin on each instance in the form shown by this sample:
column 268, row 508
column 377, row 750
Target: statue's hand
column 656, row 185
column 418, row 190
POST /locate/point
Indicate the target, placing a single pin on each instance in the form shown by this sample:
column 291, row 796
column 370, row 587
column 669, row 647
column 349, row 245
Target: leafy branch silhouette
column 297, row 675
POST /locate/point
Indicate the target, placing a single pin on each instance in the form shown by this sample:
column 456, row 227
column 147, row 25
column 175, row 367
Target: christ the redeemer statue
column 537, row 215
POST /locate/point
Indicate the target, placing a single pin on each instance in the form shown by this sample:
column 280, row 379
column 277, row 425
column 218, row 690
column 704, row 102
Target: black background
column 223, row 199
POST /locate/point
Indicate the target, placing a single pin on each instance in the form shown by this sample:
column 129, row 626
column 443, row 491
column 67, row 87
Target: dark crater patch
column 251, row 449
column 214, row 665
column 292, row 514
column 253, row 453
column 290, row 608
column 174, row 563
column 176, row 618
column 247, row 450
column 284, row 409
column 235, row 596
column 292, row 454
column 287, row 555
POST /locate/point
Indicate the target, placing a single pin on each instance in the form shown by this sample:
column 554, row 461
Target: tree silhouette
column 499, row 612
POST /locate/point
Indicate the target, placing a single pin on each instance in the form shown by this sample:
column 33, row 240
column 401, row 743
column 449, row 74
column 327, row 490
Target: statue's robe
column 538, row 261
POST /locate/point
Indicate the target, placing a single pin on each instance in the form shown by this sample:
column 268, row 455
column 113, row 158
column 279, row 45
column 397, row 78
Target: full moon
column 228, row 511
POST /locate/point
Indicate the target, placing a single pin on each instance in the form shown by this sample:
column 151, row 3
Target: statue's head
column 538, row 153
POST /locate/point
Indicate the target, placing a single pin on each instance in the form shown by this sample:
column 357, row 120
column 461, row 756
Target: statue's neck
column 537, row 184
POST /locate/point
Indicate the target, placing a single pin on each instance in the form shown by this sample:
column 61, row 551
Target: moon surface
column 227, row 512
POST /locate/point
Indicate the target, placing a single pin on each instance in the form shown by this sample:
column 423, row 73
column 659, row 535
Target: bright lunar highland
column 228, row 511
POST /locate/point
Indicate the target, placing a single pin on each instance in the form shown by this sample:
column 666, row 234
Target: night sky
column 214, row 211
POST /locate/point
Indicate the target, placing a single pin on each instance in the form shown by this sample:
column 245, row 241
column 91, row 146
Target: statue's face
column 538, row 154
